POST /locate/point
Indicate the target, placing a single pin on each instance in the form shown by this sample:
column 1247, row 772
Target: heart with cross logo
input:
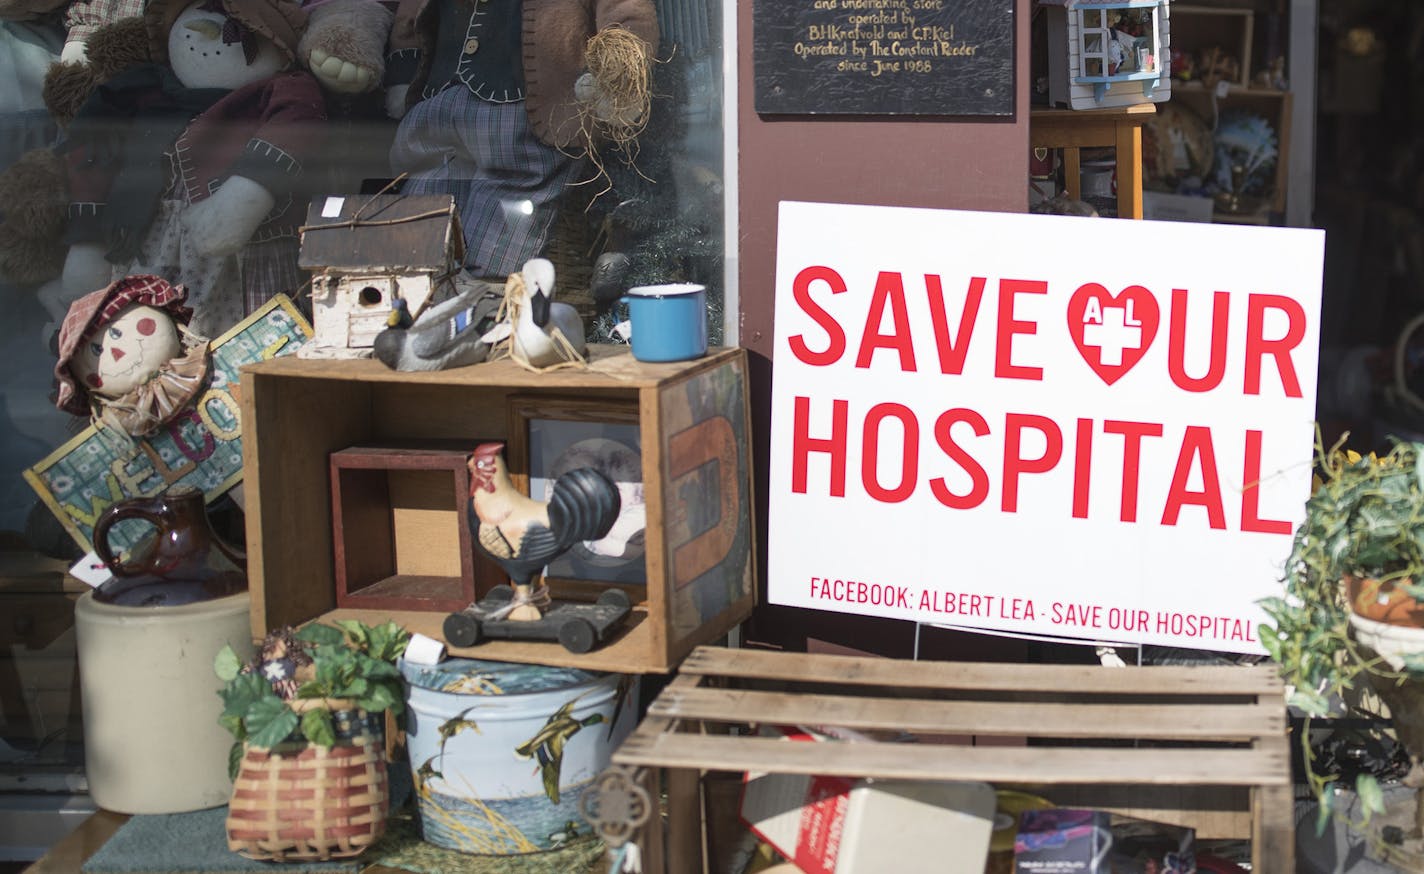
column 1112, row 331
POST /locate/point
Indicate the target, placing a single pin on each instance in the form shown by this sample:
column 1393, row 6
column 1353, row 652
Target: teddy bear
column 190, row 167
column 500, row 102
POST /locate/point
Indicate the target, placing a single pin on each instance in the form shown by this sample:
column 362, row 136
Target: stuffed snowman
column 191, row 168
column 125, row 360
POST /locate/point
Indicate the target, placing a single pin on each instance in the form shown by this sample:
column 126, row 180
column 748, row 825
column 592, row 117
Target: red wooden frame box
column 398, row 528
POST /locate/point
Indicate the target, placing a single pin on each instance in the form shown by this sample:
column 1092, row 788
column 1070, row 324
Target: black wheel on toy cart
column 614, row 598
column 499, row 594
column 577, row 635
column 462, row 630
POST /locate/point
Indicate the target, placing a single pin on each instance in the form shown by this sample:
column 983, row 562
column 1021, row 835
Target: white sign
column 1088, row 428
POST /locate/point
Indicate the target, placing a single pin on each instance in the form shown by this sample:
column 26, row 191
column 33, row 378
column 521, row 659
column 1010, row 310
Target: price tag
column 91, row 571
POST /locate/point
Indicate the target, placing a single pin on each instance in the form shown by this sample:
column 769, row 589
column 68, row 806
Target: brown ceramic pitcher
column 181, row 563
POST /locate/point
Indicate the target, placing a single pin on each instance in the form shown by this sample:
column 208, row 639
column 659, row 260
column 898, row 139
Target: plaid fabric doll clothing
column 506, row 182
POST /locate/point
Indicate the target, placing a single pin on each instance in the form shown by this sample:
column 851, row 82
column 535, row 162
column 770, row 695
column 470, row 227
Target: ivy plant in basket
column 1356, row 566
column 308, row 713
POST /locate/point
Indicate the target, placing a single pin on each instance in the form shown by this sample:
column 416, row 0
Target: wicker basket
column 302, row 802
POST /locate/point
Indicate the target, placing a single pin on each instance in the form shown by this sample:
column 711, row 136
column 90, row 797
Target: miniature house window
column 371, row 296
column 1093, row 42
column 1119, row 44
column 1107, row 52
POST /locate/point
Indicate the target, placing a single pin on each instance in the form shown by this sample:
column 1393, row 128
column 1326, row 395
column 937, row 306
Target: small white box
column 1176, row 207
column 839, row 825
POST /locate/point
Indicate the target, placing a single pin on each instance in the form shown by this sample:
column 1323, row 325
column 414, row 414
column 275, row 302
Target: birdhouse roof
column 394, row 233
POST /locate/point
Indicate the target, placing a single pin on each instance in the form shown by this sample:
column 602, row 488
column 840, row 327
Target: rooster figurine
column 523, row 535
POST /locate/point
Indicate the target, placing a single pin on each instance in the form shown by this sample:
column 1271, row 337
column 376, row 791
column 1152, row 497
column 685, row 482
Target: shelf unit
column 1233, row 29
column 694, row 429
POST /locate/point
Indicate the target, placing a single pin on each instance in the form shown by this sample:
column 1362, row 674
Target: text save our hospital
column 956, row 434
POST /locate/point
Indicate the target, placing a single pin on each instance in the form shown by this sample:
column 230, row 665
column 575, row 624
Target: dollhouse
column 1105, row 53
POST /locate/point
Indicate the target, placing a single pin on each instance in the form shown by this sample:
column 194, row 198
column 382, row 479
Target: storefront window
column 202, row 173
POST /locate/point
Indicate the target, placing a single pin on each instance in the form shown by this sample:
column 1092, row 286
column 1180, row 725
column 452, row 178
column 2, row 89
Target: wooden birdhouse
column 365, row 252
column 1105, row 53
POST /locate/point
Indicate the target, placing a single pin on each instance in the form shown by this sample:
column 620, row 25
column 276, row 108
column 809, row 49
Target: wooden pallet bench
column 1204, row 747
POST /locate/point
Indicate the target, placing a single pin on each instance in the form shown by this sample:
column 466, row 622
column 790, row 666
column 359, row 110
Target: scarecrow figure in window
column 499, row 101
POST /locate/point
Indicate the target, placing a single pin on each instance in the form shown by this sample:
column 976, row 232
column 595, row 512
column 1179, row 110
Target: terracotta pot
column 1385, row 602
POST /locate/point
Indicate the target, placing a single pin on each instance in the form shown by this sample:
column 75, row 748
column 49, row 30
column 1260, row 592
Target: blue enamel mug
column 669, row 322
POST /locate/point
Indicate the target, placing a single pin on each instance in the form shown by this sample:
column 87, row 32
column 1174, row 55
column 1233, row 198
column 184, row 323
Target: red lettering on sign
column 889, row 289
column 1251, row 493
column 836, row 340
column 1004, row 368
column 1258, row 347
column 1132, row 434
column 192, row 453
column 803, row 444
column 953, row 351
column 1177, row 342
column 1015, row 463
column 1082, row 468
column 1196, row 443
column 978, row 478
column 909, row 458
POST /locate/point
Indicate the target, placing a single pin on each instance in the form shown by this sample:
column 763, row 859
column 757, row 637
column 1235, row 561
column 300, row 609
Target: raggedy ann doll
column 191, row 168
column 494, row 100
column 125, row 358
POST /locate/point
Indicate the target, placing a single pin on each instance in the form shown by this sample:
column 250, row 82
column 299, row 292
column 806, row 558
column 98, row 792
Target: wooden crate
column 693, row 426
column 1200, row 28
column 1274, row 106
column 399, row 528
column 1204, row 747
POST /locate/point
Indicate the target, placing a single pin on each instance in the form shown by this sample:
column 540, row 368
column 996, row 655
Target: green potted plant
column 1354, row 582
column 308, row 713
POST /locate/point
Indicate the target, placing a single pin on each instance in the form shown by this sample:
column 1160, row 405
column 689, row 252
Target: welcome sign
column 1087, row 428
column 201, row 448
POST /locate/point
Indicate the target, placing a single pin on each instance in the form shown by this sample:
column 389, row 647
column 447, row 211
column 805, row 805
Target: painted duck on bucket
column 500, row 762
column 547, row 746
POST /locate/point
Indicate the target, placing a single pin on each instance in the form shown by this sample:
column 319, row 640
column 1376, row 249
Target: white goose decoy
column 539, row 316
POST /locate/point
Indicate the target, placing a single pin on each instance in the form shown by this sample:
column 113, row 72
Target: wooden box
column 401, row 541
column 1272, row 105
column 1199, row 29
column 693, row 428
column 1204, row 747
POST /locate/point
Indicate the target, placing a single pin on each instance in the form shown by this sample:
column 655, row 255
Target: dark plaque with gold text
column 884, row 57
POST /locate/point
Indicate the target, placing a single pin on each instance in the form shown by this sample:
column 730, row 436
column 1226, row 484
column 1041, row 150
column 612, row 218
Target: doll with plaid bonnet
column 126, row 359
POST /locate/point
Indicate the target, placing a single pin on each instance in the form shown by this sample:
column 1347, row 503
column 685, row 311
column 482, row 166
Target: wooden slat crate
column 1204, row 747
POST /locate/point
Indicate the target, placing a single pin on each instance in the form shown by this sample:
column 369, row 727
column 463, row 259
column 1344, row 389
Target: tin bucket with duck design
column 500, row 752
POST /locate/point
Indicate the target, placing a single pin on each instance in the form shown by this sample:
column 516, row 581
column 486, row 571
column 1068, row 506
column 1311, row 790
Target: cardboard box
column 1161, row 206
column 843, row 825
column 1073, row 840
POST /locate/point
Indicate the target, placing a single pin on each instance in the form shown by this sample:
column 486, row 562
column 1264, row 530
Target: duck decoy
column 533, row 339
column 447, row 335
